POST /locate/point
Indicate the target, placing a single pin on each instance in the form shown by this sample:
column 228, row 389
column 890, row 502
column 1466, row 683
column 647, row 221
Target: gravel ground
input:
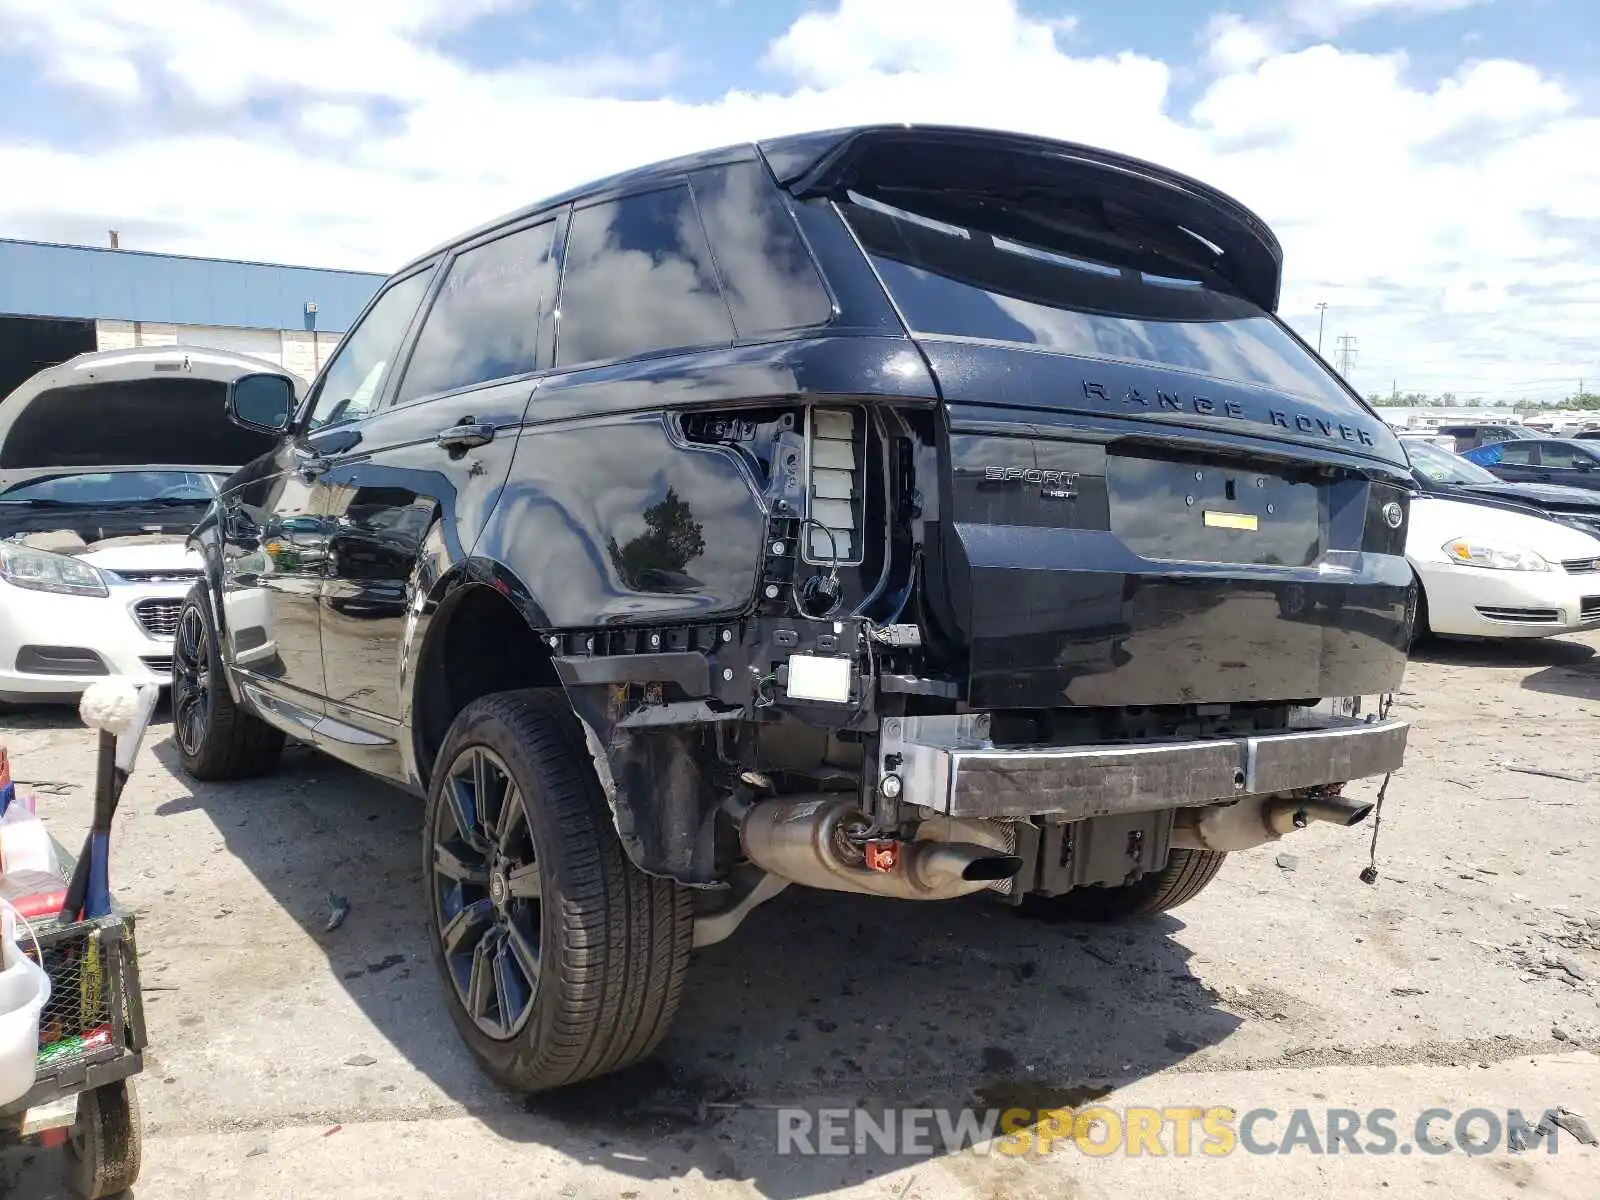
column 287, row 1060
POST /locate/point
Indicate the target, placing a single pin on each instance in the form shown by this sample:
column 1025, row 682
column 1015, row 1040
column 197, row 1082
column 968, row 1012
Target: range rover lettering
column 917, row 512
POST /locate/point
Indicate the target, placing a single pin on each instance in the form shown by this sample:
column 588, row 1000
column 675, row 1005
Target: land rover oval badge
column 1393, row 515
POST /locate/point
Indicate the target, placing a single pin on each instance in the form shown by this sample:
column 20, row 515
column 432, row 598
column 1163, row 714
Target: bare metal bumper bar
column 948, row 764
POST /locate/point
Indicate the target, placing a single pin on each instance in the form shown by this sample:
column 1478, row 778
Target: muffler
column 822, row 842
column 1256, row 821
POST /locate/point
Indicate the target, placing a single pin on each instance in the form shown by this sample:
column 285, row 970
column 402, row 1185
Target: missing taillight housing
column 835, row 486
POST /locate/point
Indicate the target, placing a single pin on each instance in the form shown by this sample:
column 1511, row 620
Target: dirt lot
column 290, row 1061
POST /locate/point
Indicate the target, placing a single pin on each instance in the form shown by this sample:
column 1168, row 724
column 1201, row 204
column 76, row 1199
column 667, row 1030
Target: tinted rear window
column 768, row 276
column 961, row 280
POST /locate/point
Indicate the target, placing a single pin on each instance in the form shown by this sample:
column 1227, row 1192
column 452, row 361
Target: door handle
column 466, row 436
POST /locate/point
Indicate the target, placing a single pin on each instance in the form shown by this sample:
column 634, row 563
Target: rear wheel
column 560, row 960
column 216, row 739
column 1183, row 878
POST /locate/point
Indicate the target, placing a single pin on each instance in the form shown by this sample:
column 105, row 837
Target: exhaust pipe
column 818, row 842
column 1287, row 813
column 1250, row 823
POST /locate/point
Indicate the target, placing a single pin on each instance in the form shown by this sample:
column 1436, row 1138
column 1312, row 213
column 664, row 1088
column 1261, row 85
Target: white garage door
column 262, row 343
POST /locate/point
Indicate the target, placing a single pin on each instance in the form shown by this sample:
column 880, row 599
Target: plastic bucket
column 24, row 988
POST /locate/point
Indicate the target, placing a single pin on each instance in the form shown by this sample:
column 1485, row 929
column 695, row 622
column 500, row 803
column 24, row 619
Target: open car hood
column 1157, row 206
column 152, row 407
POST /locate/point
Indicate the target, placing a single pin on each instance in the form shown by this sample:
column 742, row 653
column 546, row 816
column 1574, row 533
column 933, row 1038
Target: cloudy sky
column 1431, row 166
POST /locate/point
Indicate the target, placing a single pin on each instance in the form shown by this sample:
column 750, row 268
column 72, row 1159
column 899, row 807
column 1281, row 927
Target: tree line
column 1584, row 401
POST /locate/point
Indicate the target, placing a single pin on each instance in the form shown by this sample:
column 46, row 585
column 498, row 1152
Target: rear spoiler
column 935, row 156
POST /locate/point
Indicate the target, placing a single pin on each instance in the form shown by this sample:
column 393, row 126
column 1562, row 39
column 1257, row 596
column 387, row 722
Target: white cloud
column 1327, row 17
column 1452, row 223
column 1235, row 44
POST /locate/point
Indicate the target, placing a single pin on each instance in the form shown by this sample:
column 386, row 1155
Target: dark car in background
column 1439, row 472
column 907, row 511
column 1471, row 434
column 1569, row 462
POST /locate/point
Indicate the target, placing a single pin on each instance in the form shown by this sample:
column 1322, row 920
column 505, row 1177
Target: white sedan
column 107, row 463
column 76, row 607
column 1494, row 571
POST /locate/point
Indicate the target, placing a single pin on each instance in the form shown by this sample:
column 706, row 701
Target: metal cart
column 91, row 1044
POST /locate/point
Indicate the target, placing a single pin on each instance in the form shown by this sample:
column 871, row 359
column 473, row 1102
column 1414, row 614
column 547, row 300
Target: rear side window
column 1553, row 454
column 484, row 323
column 637, row 278
column 768, row 276
column 1076, row 297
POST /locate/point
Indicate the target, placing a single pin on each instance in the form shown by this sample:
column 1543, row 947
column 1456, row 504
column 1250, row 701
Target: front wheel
column 1419, row 623
column 1183, row 878
column 105, row 1148
column 560, row 960
column 216, row 739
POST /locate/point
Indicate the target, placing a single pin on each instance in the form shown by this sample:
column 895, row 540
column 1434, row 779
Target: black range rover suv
column 910, row 511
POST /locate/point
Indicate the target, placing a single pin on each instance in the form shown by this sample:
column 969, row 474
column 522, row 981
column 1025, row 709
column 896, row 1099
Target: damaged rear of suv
column 910, row 511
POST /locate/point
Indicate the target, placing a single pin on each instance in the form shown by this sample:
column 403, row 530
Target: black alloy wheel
column 486, row 892
column 560, row 960
column 216, row 737
column 191, row 681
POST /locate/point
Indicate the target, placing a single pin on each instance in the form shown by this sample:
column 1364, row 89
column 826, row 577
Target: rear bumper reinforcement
column 948, row 764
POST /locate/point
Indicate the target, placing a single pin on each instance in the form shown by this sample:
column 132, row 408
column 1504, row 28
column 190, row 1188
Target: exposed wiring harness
column 1369, row 873
column 819, row 589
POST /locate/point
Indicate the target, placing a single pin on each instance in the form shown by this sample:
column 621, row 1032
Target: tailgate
column 1077, row 567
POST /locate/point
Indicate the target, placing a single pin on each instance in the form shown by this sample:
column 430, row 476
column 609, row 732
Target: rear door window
column 484, row 323
column 638, row 278
column 966, row 280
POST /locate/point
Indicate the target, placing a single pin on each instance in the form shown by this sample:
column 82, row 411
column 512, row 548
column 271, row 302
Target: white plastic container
column 25, row 843
column 24, row 989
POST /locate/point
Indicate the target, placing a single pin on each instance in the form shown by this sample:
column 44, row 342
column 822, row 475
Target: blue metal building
column 58, row 300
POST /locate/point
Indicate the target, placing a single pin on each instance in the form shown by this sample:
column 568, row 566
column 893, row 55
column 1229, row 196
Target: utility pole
column 1347, row 353
column 1322, row 315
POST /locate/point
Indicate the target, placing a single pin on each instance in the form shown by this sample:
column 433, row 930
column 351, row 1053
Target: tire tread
column 625, row 936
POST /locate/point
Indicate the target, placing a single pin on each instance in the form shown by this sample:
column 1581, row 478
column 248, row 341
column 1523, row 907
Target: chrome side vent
column 835, row 456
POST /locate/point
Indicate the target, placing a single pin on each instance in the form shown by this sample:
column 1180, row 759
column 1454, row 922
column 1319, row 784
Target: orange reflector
column 883, row 855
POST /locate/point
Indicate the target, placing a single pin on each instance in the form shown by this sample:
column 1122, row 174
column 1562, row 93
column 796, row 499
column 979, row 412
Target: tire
column 1183, row 878
column 560, row 960
column 105, row 1151
column 216, row 739
column 1420, row 630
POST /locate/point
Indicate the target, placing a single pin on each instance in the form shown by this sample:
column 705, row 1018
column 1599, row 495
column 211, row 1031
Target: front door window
column 354, row 380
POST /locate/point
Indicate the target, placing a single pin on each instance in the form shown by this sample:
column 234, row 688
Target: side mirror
column 261, row 401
